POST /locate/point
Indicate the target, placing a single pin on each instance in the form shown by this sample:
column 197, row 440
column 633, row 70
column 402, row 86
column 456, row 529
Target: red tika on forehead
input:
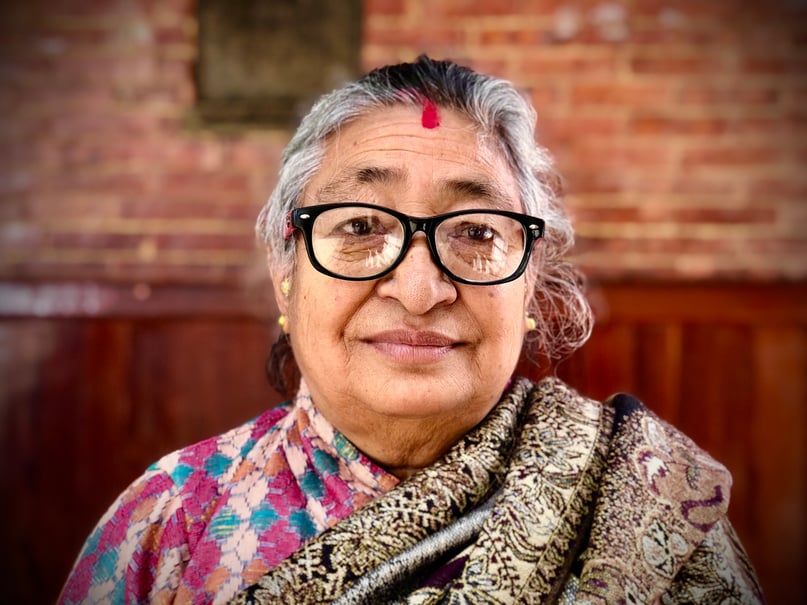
column 430, row 118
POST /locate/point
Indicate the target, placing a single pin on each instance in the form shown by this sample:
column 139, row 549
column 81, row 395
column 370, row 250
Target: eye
column 475, row 232
column 478, row 233
column 359, row 226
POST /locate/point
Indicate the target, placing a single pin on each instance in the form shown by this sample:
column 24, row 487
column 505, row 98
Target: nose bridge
column 419, row 282
column 427, row 227
column 419, row 224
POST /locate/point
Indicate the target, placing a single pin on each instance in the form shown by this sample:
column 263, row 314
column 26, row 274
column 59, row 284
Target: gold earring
column 530, row 322
column 285, row 287
column 282, row 321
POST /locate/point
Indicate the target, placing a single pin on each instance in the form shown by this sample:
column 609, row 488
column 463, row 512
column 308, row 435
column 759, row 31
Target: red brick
column 775, row 65
column 796, row 248
column 513, row 38
column 562, row 130
column 173, row 34
column 384, row 7
column 191, row 206
column 735, row 94
column 489, row 65
column 577, row 66
column 731, row 156
column 113, row 270
column 98, row 136
column 677, row 66
column 620, row 94
column 545, row 97
column 425, row 34
column 781, row 126
column 786, row 189
column 464, row 8
column 694, row 9
column 182, row 183
column 606, row 214
column 125, row 241
column 586, row 179
column 658, row 245
column 626, row 156
column 800, row 158
column 691, row 34
column 704, row 185
column 208, row 241
column 660, row 125
column 753, row 215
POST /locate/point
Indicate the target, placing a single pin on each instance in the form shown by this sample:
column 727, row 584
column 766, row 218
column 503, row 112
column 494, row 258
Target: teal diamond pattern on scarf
column 217, row 464
column 223, row 524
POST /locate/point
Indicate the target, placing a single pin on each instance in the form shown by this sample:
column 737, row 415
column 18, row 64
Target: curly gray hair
column 500, row 113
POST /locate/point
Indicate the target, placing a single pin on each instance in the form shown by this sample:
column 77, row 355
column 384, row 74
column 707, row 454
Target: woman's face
column 413, row 347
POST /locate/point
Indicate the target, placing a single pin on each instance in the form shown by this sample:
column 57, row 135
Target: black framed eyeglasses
column 356, row 241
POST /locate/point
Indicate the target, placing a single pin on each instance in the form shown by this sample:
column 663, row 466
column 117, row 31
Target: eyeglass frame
column 302, row 220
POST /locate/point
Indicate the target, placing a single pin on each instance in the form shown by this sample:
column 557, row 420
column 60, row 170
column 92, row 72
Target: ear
column 278, row 276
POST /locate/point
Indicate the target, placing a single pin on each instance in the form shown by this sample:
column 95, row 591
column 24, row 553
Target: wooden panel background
column 97, row 387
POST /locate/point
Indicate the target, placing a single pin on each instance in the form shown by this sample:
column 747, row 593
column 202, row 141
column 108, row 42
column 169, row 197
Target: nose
column 417, row 282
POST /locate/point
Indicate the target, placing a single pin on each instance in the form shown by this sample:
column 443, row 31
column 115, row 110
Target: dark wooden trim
column 696, row 302
column 105, row 300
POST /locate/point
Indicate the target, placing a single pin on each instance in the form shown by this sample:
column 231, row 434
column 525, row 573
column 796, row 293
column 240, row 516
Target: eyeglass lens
column 359, row 242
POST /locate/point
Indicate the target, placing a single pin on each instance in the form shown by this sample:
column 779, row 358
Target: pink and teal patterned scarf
column 552, row 498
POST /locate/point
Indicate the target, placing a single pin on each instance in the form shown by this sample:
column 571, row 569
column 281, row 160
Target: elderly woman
column 415, row 242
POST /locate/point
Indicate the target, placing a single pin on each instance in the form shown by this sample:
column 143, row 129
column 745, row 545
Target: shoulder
column 146, row 537
column 660, row 501
column 552, row 392
column 648, row 459
column 669, row 464
column 661, row 496
column 202, row 469
column 183, row 486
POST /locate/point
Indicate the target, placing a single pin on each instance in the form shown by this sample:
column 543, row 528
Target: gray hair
column 501, row 114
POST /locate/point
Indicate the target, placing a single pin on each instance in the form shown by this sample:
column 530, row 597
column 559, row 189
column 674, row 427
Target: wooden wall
column 94, row 389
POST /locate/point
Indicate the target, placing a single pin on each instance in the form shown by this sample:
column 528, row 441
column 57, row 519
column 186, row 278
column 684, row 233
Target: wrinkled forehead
column 419, row 129
column 413, row 145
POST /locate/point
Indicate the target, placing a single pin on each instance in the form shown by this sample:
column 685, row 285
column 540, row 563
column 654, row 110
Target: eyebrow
column 369, row 175
column 375, row 175
column 482, row 189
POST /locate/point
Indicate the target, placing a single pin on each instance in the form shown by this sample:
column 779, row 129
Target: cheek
column 324, row 308
column 501, row 314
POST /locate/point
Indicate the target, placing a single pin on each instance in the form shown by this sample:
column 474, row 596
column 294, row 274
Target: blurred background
column 138, row 139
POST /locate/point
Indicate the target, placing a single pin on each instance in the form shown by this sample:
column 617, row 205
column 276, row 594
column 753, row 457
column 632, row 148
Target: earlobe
column 282, row 288
column 281, row 283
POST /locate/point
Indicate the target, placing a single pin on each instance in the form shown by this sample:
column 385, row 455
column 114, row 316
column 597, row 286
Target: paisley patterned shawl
column 552, row 498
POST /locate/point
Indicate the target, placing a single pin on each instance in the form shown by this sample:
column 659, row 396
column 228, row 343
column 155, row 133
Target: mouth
column 413, row 346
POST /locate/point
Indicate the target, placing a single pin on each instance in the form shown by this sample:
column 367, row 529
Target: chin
column 416, row 397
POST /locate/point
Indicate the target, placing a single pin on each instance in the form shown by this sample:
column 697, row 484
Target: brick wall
column 678, row 127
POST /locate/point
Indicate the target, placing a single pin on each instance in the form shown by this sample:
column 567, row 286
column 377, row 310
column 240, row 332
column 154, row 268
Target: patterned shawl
column 552, row 498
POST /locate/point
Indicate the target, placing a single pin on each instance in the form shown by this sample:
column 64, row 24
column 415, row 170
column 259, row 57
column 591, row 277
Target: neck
column 403, row 447
column 402, row 472
column 401, row 444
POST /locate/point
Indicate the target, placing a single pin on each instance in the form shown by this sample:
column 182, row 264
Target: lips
column 414, row 338
column 413, row 346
